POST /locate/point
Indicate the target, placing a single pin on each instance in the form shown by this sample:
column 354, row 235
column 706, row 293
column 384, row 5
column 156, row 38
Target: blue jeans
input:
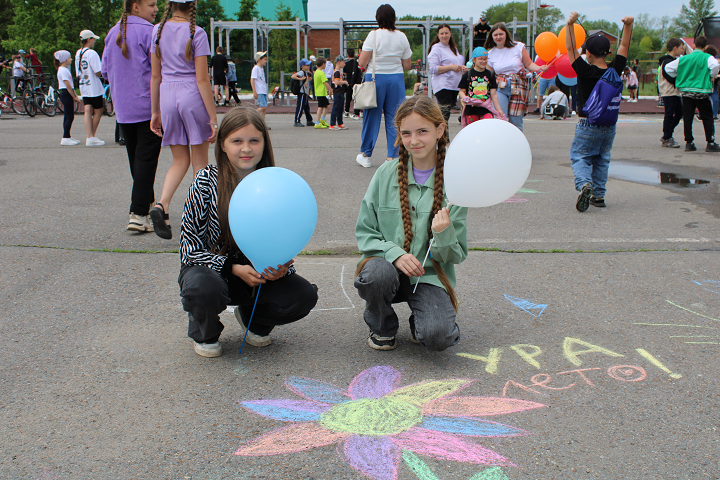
column 504, row 99
column 390, row 89
column 714, row 100
column 544, row 84
column 590, row 155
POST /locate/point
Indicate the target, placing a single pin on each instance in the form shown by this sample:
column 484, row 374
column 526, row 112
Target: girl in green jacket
column 400, row 213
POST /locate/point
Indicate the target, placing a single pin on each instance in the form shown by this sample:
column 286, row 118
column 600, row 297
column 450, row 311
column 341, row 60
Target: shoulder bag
column 364, row 94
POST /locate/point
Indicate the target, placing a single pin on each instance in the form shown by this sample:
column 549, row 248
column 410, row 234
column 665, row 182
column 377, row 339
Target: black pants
column 446, row 99
column 143, row 150
column 118, row 132
column 303, row 106
column 336, row 114
column 348, row 100
column 69, row 111
column 673, row 114
column 232, row 92
column 205, row 294
column 704, row 107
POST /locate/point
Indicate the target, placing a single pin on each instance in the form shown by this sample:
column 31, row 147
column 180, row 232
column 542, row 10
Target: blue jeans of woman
column 504, row 99
column 590, row 155
column 390, row 90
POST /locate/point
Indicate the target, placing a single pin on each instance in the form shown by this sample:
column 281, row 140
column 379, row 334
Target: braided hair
column 429, row 110
column 164, row 19
column 189, row 47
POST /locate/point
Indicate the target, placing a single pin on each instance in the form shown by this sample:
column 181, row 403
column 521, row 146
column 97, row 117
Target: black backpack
column 295, row 86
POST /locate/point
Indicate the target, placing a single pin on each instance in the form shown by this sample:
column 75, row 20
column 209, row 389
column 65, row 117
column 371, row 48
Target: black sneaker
column 310, row 124
column 597, row 201
column 298, row 124
column 690, row 147
column 583, row 201
column 411, row 320
column 670, row 143
column 712, row 147
column 381, row 343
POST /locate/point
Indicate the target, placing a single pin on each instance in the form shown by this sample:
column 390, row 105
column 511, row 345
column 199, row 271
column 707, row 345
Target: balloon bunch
column 553, row 52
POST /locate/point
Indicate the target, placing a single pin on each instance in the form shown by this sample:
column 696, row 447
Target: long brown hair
column 236, row 118
column 171, row 7
column 452, row 44
column 490, row 41
column 430, row 111
column 122, row 33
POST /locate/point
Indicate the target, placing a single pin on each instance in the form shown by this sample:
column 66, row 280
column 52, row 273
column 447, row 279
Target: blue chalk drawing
column 713, row 283
column 527, row 305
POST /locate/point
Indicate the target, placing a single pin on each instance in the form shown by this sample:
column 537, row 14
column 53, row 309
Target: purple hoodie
column 129, row 78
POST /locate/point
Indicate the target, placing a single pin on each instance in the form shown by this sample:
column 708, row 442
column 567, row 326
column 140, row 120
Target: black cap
column 598, row 45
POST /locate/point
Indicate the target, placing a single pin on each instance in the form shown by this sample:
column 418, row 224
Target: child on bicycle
column 126, row 65
column 88, row 68
column 62, row 61
column 183, row 110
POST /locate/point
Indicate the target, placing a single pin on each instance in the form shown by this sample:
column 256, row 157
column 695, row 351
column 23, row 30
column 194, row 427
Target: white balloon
column 486, row 163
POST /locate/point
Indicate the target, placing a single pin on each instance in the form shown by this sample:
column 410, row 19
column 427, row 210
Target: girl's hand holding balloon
column 441, row 220
column 409, row 265
column 247, row 274
column 272, row 274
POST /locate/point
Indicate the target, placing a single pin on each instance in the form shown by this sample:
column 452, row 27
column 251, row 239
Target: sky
column 613, row 10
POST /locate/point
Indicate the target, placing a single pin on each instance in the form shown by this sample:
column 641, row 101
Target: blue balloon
column 272, row 216
column 568, row 81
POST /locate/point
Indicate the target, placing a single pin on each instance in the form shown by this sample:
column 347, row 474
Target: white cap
column 312, row 58
column 259, row 55
column 86, row 34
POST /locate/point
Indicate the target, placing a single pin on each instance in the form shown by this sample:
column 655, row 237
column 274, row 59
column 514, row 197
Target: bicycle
column 8, row 104
column 48, row 102
column 108, row 108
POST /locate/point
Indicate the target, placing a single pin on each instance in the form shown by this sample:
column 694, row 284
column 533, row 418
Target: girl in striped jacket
column 214, row 272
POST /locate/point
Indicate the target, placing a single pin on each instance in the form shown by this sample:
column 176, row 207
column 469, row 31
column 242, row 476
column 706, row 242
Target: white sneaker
column 354, row 117
column 209, row 350
column 363, row 160
column 94, row 142
column 346, row 114
column 139, row 223
column 573, row 113
column 251, row 338
column 69, row 142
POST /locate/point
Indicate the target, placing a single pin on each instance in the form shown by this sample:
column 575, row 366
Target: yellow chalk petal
column 422, row 393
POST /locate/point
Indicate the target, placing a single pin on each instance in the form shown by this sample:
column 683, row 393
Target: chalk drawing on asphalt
column 376, row 423
column 534, row 309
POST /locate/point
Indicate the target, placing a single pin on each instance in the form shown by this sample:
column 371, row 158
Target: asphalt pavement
column 589, row 342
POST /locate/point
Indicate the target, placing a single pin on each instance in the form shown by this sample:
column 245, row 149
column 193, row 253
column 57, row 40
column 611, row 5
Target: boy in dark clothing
column 219, row 66
column 669, row 93
column 339, row 85
column 590, row 150
column 694, row 75
column 353, row 76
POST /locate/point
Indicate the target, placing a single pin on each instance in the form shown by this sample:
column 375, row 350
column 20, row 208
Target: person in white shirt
column 88, row 68
column 259, row 84
column 329, row 71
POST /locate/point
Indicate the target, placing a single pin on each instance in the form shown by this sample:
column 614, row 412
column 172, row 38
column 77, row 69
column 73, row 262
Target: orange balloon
column 579, row 38
column 546, row 46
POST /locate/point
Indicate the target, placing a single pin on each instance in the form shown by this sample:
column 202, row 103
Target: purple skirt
column 185, row 120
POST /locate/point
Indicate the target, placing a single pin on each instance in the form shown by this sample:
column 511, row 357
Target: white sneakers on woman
column 94, row 142
column 69, row 142
column 363, row 160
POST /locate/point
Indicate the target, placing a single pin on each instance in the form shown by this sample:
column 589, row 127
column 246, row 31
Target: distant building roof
column 609, row 36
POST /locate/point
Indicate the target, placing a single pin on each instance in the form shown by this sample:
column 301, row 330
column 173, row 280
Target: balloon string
column 424, row 260
column 537, row 79
column 247, row 329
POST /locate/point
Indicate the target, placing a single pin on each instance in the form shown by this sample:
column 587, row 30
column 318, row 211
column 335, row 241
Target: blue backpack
column 603, row 105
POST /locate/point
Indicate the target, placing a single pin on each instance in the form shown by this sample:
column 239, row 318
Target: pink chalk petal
column 374, row 382
column 291, row 439
column 444, row 446
column 477, row 406
column 374, row 457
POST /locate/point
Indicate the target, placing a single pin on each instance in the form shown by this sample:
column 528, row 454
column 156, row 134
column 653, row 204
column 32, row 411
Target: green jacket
column 380, row 232
column 693, row 74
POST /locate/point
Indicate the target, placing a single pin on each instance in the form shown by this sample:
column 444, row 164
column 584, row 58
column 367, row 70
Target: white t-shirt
column 505, row 61
column 90, row 85
column 17, row 71
column 392, row 48
column 258, row 74
column 329, row 70
column 62, row 75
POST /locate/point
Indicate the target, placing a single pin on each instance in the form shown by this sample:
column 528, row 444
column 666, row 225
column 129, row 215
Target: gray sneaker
column 139, row 223
column 583, row 201
column 381, row 343
column 209, row 350
column 670, row 143
column 252, row 339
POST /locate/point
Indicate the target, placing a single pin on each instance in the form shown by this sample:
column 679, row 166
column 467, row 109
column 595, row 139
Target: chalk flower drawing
column 375, row 420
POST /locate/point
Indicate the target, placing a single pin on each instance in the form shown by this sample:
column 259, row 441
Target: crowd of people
column 161, row 85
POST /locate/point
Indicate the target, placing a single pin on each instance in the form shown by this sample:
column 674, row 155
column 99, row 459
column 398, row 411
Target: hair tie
column 192, row 35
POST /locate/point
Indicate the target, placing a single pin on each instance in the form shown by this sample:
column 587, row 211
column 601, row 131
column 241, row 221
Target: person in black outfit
column 353, row 76
column 480, row 32
column 219, row 66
